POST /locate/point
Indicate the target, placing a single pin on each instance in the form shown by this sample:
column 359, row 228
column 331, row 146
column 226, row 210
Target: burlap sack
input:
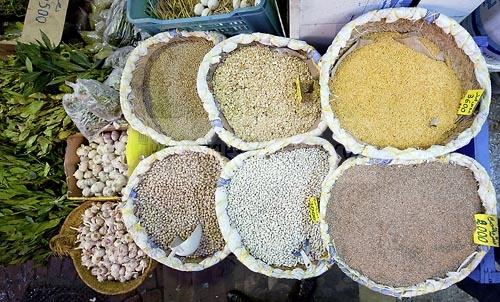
column 485, row 191
column 213, row 58
column 456, row 43
column 138, row 232
column 230, row 233
column 132, row 98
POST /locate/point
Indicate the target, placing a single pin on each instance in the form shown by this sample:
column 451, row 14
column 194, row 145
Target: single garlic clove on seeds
column 244, row 3
column 236, row 4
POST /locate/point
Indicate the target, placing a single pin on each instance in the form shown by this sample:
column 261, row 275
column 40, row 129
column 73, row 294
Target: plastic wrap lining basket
column 260, row 18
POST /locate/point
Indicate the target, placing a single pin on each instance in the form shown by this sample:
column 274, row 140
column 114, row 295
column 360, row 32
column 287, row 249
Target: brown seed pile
column 177, row 194
column 256, row 88
column 171, row 89
column 401, row 225
column 387, row 94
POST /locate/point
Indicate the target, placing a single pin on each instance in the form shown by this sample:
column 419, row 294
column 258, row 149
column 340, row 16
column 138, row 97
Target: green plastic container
column 260, row 18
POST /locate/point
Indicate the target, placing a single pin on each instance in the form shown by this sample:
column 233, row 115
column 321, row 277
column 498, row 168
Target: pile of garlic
column 207, row 7
column 102, row 170
column 108, row 251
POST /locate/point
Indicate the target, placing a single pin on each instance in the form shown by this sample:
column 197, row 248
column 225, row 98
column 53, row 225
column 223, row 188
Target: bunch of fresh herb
column 32, row 85
column 33, row 129
column 30, row 206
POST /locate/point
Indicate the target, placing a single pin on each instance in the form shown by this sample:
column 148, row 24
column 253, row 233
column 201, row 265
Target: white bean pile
column 268, row 204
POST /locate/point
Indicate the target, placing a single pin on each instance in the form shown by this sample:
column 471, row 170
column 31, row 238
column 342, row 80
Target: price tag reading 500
column 486, row 232
column 45, row 16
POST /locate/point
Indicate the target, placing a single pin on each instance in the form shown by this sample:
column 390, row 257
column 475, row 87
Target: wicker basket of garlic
column 103, row 252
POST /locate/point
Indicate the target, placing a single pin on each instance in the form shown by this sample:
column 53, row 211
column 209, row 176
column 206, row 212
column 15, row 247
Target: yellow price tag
column 313, row 209
column 138, row 145
column 486, row 232
column 469, row 101
column 298, row 90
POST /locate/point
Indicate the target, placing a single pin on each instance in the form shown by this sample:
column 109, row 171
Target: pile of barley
column 177, row 194
column 170, row 89
column 256, row 89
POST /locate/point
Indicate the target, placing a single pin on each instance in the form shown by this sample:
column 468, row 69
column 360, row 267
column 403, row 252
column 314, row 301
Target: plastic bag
column 114, row 78
column 92, row 106
column 119, row 57
column 119, row 31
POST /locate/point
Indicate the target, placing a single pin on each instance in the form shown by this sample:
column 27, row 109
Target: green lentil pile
column 170, row 89
column 177, row 194
column 401, row 225
column 256, row 89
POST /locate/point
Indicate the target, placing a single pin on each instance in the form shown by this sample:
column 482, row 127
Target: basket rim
column 212, row 106
column 126, row 90
column 449, row 26
column 486, row 193
column 139, row 234
column 231, row 235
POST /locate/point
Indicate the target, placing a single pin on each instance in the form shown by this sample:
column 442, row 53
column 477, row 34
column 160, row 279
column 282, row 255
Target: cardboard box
column 7, row 48
column 71, row 161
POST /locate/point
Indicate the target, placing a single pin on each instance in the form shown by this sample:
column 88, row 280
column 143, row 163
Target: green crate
column 260, row 18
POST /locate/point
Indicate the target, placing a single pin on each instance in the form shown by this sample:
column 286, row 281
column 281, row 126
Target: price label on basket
column 486, row 232
column 313, row 209
column 45, row 16
column 469, row 102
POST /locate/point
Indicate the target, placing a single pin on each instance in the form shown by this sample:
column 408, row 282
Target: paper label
column 47, row 16
column 469, row 101
column 298, row 90
column 313, row 209
column 486, row 232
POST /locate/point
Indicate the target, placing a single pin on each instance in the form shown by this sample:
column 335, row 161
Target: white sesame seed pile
column 177, row 194
column 268, row 204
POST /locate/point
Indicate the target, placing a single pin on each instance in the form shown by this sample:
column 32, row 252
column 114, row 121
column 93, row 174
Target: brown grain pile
column 175, row 195
column 387, row 94
column 170, row 89
column 255, row 87
column 401, row 225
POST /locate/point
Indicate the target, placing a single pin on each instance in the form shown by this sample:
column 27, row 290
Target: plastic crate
column 478, row 148
column 260, row 18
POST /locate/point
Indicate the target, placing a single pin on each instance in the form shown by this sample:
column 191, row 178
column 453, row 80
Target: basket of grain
column 158, row 88
column 258, row 88
column 104, row 255
column 405, row 227
column 170, row 197
column 267, row 207
column 393, row 80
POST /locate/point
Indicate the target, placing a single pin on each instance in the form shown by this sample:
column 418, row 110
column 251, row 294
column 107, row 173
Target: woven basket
column 214, row 57
column 486, row 193
column 464, row 57
column 231, row 234
column 132, row 98
column 64, row 244
column 139, row 234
